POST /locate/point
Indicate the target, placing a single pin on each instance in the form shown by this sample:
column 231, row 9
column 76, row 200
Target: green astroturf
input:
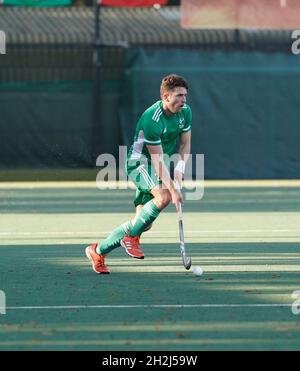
column 246, row 240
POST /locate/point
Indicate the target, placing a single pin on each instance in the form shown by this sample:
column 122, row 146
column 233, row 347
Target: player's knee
column 163, row 199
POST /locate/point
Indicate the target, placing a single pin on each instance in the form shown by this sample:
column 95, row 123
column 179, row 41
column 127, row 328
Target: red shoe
column 96, row 259
column 132, row 246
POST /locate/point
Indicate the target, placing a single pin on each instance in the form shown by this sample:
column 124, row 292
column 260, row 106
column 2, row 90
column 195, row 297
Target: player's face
column 176, row 99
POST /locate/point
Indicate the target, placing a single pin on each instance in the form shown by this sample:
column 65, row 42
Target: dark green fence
column 45, row 125
column 245, row 107
column 243, row 89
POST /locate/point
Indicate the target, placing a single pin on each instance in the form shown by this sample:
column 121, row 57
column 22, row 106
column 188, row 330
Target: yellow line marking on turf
column 276, row 183
column 171, row 232
column 200, row 233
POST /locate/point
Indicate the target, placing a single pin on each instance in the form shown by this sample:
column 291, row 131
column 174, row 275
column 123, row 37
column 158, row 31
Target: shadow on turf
column 60, row 200
column 248, row 272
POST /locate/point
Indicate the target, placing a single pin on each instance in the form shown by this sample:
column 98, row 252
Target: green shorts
column 145, row 179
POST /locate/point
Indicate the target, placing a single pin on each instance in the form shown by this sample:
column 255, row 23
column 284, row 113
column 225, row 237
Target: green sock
column 146, row 216
column 113, row 240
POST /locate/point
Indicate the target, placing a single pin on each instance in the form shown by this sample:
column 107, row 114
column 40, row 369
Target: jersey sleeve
column 152, row 131
column 188, row 119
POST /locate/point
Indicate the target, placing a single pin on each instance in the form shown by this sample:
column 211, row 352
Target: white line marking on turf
column 122, row 306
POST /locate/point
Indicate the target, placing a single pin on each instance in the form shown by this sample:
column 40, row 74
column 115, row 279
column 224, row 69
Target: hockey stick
column 187, row 262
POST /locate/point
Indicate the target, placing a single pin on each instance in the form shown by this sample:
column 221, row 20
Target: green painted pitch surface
column 246, row 240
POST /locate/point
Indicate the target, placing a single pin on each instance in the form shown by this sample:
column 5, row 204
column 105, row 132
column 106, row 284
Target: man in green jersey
column 155, row 139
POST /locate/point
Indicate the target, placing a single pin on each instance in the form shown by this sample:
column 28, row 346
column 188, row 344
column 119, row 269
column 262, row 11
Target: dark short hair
column 172, row 81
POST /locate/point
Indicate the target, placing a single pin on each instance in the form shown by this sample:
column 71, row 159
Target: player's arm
column 156, row 153
column 185, row 145
column 184, row 152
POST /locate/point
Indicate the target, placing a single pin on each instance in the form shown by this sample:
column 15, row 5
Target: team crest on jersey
column 181, row 123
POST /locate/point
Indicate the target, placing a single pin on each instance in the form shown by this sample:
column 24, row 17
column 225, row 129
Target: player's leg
column 137, row 211
column 156, row 198
column 113, row 240
column 97, row 252
column 141, row 198
column 146, row 213
column 150, row 211
column 153, row 197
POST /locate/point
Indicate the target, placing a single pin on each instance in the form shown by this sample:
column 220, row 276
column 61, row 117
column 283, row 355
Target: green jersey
column 156, row 128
